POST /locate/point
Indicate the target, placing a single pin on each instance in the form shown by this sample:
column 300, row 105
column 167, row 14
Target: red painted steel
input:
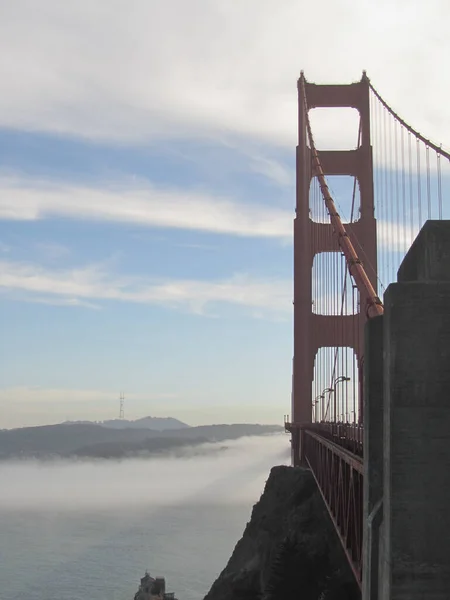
column 354, row 262
column 313, row 331
column 333, row 451
column 339, row 477
column 347, row 435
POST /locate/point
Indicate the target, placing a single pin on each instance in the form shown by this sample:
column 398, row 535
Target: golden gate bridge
column 344, row 259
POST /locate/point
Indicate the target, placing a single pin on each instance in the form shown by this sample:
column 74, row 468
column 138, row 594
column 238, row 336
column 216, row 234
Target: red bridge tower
column 313, row 331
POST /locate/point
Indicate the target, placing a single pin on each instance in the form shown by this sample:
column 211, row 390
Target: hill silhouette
column 154, row 423
column 97, row 441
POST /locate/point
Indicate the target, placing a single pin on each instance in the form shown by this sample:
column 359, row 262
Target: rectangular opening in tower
column 336, row 386
column 333, row 290
column 335, row 128
column 345, row 192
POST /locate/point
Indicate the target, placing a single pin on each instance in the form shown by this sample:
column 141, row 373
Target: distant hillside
column 193, row 436
column 150, row 446
column 154, row 423
column 218, row 433
column 94, row 440
column 62, row 439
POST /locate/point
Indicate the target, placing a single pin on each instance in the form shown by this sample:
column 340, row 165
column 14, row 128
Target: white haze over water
column 88, row 530
column 148, row 482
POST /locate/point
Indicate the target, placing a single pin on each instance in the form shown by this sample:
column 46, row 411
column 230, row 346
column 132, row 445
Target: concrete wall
column 413, row 436
column 373, row 455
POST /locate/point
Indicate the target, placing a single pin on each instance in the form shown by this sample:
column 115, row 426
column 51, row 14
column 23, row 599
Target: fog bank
column 235, row 474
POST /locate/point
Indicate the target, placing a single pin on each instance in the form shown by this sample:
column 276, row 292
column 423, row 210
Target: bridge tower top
column 352, row 95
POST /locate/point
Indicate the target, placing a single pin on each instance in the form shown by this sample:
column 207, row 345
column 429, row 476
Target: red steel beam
column 339, row 480
column 351, row 459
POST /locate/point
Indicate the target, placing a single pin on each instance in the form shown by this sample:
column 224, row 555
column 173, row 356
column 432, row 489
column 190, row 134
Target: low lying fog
column 235, row 474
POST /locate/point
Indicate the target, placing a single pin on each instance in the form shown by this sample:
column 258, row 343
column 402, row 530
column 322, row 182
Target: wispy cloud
column 142, row 203
column 51, row 250
column 74, row 302
column 94, row 282
column 273, row 170
column 215, row 66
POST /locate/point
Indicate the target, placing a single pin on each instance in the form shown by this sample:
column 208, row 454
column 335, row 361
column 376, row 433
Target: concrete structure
column 412, row 433
column 153, row 588
column 373, row 455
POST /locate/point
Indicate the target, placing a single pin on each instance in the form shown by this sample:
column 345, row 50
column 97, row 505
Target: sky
column 147, row 192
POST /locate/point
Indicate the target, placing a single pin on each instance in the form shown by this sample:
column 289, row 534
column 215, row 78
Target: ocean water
column 88, row 531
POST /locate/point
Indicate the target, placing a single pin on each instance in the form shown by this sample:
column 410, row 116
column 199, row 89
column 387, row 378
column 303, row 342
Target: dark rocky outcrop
column 289, row 549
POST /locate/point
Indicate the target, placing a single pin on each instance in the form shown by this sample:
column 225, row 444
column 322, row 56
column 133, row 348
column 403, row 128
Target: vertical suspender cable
column 419, row 184
column 427, row 156
column 439, row 184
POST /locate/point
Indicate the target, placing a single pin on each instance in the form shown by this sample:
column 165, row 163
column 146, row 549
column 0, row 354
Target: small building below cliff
column 153, row 588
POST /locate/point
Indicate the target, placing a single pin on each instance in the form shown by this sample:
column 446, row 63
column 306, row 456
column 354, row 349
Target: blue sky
column 184, row 318
column 147, row 193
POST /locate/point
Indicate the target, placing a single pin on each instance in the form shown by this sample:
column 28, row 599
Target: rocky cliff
column 289, row 549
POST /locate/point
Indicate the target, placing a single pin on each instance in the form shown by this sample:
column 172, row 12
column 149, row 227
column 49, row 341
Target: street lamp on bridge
column 326, row 391
column 332, row 390
column 340, row 379
column 314, row 403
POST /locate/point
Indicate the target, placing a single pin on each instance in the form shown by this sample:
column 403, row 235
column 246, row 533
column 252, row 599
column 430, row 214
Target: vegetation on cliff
column 289, row 549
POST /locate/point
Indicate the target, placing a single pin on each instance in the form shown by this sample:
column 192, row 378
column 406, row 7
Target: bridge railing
column 339, row 476
column 347, row 435
column 333, row 452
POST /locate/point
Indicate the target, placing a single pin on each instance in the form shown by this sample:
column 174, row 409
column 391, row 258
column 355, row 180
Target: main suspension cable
column 419, row 136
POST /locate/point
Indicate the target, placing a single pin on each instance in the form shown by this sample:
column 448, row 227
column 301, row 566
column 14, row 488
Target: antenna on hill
column 122, row 402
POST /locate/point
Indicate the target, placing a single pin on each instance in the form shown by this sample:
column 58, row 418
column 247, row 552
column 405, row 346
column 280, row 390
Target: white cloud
column 141, row 203
column 134, row 69
column 93, row 282
column 273, row 170
column 75, row 302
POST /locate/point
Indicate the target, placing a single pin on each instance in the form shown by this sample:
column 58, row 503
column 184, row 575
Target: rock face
column 289, row 549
